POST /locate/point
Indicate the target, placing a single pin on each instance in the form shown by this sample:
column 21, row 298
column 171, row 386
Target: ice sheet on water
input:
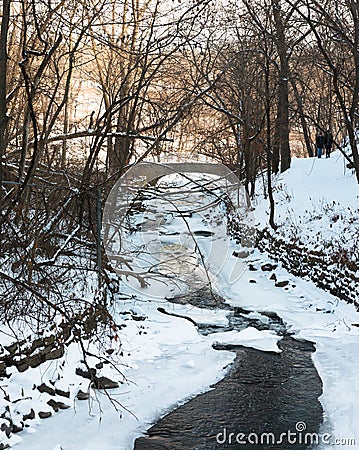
column 265, row 340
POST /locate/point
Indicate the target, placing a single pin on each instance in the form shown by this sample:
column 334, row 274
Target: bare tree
column 335, row 27
column 5, row 20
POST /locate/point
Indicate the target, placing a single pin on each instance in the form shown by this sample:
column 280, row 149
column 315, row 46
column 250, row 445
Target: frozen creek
column 263, row 392
column 169, row 361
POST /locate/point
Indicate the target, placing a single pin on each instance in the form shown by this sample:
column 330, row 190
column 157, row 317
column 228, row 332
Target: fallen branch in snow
column 163, row 311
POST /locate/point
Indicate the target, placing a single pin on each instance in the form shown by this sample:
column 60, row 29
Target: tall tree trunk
column 276, row 150
column 353, row 112
column 3, row 81
column 119, row 156
column 354, row 147
column 282, row 122
column 269, row 154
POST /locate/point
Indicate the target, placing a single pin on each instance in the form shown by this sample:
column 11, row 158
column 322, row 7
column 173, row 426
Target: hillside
column 317, row 203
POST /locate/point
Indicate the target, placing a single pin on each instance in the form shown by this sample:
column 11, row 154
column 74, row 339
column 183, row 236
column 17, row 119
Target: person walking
column 319, row 143
column 328, row 142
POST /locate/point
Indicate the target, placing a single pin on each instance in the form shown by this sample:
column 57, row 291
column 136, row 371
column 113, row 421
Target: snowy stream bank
column 265, row 394
column 167, row 362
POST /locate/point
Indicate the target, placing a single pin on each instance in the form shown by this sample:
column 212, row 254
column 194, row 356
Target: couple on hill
column 324, row 140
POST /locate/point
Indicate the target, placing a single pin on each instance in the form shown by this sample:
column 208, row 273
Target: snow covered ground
column 164, row 360
column 317, row 204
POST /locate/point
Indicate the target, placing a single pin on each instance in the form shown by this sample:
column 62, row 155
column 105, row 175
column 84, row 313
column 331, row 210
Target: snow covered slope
column 317, row 204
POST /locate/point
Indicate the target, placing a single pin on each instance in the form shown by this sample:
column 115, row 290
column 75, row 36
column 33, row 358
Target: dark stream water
column 263, row 392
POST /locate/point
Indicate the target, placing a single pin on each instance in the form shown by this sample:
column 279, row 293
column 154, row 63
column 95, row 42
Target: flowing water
column 267, row 400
